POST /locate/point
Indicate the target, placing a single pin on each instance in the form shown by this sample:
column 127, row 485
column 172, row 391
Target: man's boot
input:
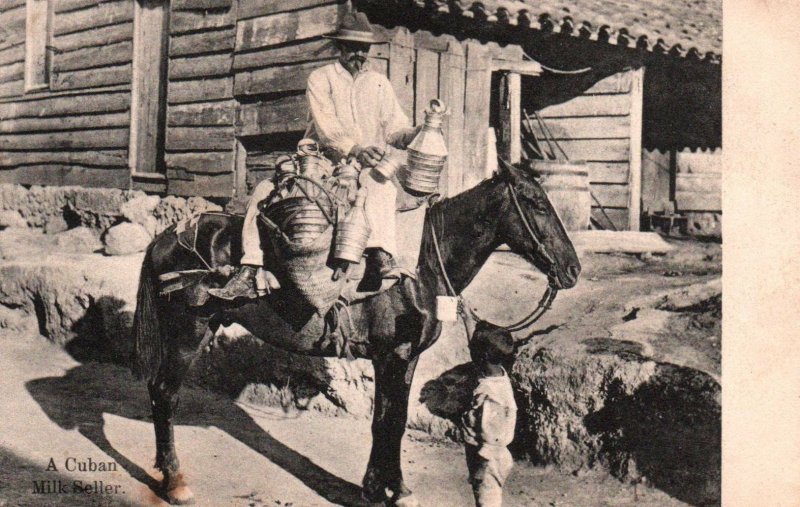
column 241, row 285
column 383, row 262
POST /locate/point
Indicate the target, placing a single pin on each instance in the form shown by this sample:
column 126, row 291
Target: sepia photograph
column 361, row 252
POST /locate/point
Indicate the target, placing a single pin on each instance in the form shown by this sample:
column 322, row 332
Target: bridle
column 547, row 298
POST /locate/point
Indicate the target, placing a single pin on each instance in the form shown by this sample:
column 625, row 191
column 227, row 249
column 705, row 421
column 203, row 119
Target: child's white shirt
column 489, row 422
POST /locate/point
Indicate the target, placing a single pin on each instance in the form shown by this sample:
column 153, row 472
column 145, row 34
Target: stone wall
column 101, row 210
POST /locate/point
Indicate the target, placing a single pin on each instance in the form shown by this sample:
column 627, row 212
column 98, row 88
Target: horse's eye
column 537, row 204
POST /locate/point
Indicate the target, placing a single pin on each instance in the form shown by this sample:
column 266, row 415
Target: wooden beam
column 88, row 158
column 209, row 41
column 240, row 170
column 587, row 127
column 427, row 82
column 202, row 114
column 527, row 68
column 401, row 69
column 57, row 123
column 198, row 21
column 451, row 88
column 597, row 150
column 515, row 105
column 61, row 175
column 635, row 173
column 275, row 79
column 209, row 162
column 200, row 66
column 12, row 88
column 256, row 8
column 205, row 185
column 74, row 5
column 104, row 14
column 200, row 90
column 199, row 138
column 102, row 138
column 67, row 105
column 187, row 5
column 307, row 50
column 476, row 112
column 589, row 105
column 13, row 54
column 97, row 37
column 286, row 27
column 91, row 78
column 283, row 115
column 95, row 56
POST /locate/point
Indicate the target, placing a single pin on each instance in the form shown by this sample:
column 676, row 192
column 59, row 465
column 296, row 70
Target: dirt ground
column 235, row 454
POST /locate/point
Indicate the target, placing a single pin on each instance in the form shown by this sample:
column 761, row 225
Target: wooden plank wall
column 595, row 127
column 698, row 181
column 76, row 132
column 201, row 111
column 277, row 45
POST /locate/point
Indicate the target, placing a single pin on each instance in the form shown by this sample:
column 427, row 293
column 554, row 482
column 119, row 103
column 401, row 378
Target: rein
column 547, row 298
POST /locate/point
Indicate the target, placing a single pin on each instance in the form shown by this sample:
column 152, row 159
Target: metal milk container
column 352, row 232
column 427, row 153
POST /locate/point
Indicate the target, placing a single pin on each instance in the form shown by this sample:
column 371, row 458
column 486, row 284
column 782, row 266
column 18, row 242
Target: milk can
column 427, row 153
column 352, row 233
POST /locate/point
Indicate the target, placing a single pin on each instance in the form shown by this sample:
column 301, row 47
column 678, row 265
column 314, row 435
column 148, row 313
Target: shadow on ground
column 102, row 385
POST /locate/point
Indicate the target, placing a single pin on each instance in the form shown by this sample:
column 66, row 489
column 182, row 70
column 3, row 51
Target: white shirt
column 490, row 421
column 346, row 110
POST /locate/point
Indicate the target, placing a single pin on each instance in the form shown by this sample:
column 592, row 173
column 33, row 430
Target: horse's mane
column 464, row 200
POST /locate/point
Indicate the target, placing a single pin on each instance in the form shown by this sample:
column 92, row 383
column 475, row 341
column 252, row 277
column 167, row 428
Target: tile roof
column 690, row 28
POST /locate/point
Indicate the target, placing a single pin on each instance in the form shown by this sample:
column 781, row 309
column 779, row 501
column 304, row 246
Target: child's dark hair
column 491, row 344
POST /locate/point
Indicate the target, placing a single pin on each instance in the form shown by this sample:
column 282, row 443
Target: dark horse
column 391, row 329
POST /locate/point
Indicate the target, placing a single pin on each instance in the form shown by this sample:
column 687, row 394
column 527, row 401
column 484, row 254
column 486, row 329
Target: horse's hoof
column 406, row 501
column 180, row 495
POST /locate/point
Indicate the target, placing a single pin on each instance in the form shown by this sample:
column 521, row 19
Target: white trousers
column 488, row 475
column 379, row 208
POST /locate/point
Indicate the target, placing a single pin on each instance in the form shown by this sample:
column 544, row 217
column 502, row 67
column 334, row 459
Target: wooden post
column 476, row 112
column 148, row 86
column 240, row 170
column 427, row 82
column 509, row 144
column 635, row 172
column 451, row 91
column 515, row 117
column 401, row 69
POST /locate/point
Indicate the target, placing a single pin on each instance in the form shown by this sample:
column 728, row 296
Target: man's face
column 353, row 55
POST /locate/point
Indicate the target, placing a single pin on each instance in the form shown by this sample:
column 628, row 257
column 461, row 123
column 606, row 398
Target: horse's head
column 532, row 229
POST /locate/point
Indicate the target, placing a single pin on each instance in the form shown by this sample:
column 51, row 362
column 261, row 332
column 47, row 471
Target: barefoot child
column 489, row 423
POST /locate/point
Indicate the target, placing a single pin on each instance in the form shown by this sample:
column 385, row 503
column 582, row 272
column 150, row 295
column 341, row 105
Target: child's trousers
column 488, row 472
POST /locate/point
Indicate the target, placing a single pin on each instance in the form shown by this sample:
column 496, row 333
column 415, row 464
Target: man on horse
column 353, row 113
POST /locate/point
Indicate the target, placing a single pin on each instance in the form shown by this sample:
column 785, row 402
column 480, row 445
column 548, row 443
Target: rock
column 139, row 210
column 703, row 224
column 126, row 238
column 173, row 209
column 78, row 240
column 55, row 224
column 11, row 219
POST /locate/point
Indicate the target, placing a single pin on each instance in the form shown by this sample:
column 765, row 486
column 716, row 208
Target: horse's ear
column 506, row 170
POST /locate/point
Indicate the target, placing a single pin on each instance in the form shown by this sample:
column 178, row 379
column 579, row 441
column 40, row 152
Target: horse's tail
column 147, row 341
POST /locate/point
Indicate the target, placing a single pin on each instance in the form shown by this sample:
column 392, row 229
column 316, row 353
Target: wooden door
column 149, row 87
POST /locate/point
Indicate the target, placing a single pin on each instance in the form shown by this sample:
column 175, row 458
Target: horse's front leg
column 393, row 375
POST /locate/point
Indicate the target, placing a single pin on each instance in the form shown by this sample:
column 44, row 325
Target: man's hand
column 403, row 138
column 367, row 157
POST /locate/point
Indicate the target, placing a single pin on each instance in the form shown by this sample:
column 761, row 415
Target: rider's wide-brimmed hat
column 355, row 27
